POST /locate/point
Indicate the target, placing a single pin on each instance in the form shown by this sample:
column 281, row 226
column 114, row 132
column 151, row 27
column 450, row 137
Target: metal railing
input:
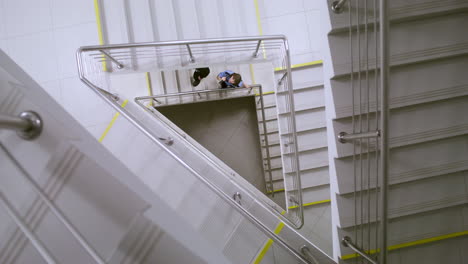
column 363, row 130
column 254, row 90
column 91, row 72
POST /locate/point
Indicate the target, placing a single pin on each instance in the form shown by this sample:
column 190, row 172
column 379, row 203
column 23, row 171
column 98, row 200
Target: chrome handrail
column 111, row 100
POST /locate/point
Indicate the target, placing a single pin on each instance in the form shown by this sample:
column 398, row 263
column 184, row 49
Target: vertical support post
column 267, row 147
column 294, row 134
column 119, row 65
column 192, row 59
column 255, row 54
column 384, row 113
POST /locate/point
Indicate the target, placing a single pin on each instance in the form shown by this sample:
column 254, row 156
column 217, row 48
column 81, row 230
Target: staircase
column 122, row 28
column 428, row 195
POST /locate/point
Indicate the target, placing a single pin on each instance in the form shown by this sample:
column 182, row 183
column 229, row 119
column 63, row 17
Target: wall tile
column 53, row 88
column 3, row 32
column 35, row 53
column 25, row 16
column 314, row 29
column 68, row 40
column 274, row 8
column 311, row 5
column 82, row 103
column 72, row 12
column 293, row 26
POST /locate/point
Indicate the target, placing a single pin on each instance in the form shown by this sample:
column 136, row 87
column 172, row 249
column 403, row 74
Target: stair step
column 417, row 129
column 411, row 84
column 411, row 198
column 454, row 43
column 421, row 161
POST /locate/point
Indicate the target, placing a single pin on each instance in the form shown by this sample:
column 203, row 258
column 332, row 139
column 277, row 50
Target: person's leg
column 196, row 77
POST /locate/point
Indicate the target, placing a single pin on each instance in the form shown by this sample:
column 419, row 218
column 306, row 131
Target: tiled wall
column 42, row 37
column 299, row 20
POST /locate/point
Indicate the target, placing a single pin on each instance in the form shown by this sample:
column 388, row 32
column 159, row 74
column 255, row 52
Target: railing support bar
column 76, row 234
column 384, row 113
column 255, row 54
column 344, row 137
column 28, row 124
column 119, row 65
column 347, row 242
column 267, row 147
column 282, row 78
column 27, row 232
column 192, row 59
column 337, row 6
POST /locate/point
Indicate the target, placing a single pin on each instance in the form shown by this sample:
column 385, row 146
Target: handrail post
column 282, row 78
column 28, row 124
column 119, row 65
column 192, row 59
column 267, row 150
column 347, row 242
column 337, row 6
column 384, row 113
column 255, row 54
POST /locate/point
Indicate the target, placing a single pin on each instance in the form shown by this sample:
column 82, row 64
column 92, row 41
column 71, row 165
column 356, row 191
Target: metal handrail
column 109, row 99
column 55, row 210
column 260, row 94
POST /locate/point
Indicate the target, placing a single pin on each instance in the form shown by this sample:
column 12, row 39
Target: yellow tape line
column 265, row 93
column 411, row 244
column 279, row 190
column 309, row 204
column 307, row 64
column 150, row 87
column 99, row 28
column 268, row 244
column 111, row 122
column 259, row 25
column 257, row 14
column 252, row 74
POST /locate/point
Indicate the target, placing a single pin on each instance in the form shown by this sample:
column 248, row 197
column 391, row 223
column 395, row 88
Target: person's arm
column 219, row 78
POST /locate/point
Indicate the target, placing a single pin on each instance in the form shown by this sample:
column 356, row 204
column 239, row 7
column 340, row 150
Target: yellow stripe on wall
column 112, row 122
column 150, row 87
column 411, row 244
column 268, row 244
column 257, row 14
column 300, row 65
column 99, row 28
column 309, row 204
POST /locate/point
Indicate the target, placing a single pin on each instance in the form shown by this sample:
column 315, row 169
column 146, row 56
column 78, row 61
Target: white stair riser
column 450, row 43
column 410, row 198
column 410, row 84
column 409, row 163
column 414, row 124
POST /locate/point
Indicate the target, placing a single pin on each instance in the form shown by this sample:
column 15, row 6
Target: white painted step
column 421, row 161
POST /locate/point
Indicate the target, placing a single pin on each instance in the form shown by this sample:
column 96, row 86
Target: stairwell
column 427, row 203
